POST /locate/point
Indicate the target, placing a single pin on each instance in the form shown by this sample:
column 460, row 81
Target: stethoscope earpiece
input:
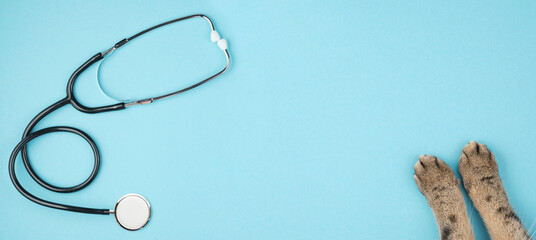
column 132, row 212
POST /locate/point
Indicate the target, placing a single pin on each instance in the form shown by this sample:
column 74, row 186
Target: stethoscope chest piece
column 132, row 212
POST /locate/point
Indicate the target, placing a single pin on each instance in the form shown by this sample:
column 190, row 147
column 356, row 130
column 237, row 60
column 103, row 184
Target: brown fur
column 481, row 180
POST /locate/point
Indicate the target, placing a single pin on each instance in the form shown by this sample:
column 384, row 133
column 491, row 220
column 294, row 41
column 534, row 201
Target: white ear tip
column 214, row 36
column 222, row 43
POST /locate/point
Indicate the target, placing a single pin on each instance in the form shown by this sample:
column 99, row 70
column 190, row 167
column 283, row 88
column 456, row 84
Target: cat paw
column 434, row 178
column 478, row 168
column 441, row 188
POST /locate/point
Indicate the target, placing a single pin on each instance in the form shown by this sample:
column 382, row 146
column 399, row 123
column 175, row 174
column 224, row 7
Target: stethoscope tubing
column 18, row 186
column 24, row 151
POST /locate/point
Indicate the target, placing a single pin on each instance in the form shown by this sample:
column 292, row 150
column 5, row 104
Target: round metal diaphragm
column 132, row 212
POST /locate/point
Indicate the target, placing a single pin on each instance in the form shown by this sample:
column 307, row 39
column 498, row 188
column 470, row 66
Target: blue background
column 312, row 134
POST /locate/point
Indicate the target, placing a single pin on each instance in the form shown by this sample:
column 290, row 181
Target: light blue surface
column 312, row 134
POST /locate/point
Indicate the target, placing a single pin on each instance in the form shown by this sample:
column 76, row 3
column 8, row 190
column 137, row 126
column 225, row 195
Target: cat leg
column 481, row 181
column 438, row 184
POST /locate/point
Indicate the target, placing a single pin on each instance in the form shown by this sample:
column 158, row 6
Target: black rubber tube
column 24, row 151
column 46, row 203
column 27, row 136
column 70, row 90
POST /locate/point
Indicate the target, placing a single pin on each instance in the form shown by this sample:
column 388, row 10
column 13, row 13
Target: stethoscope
column 131, row 211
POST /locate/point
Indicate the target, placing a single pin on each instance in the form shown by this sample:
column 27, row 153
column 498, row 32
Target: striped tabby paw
column 441, row 188
column 481, row 180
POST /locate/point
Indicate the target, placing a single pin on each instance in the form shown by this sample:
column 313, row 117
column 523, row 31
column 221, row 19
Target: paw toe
column 430, row 166
column 475, row 149
column 431, row 163
column 471, row 147
column 476, row 154
column 431, row 172
column 419, row 167
column 476, row 157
